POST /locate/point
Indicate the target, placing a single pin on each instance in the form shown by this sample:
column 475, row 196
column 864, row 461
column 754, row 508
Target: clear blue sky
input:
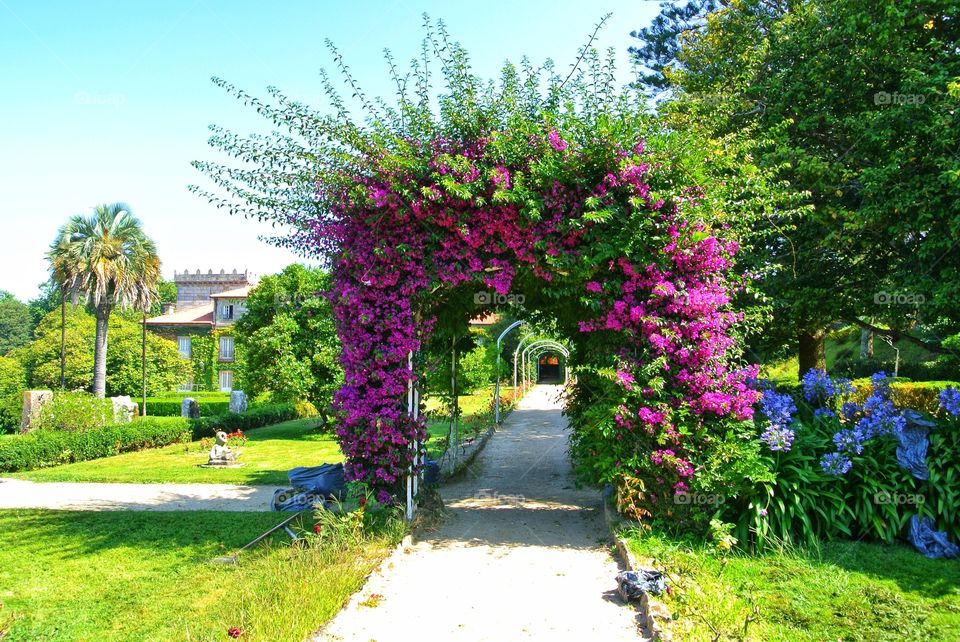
column 110, row 101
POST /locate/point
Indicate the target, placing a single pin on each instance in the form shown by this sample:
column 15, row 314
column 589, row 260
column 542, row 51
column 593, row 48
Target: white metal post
column 496, row 392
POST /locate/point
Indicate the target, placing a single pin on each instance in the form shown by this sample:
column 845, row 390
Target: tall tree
column 107, row 259
column 16, row 322
column 855, row 102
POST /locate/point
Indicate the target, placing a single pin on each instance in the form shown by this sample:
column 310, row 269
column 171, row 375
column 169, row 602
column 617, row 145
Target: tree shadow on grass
column 81, row 533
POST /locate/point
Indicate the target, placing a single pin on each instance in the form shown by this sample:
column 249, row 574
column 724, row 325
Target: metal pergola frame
column 523, row 358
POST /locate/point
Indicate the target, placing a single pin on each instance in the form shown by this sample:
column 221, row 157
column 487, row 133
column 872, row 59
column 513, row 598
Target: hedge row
column 256, row 417
column 919, row 395
column 168, row 407
column 44, row 448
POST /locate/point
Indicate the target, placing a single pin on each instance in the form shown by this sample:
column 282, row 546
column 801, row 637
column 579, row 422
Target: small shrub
column 305, row 409
column 170, row 406
column 76, row 411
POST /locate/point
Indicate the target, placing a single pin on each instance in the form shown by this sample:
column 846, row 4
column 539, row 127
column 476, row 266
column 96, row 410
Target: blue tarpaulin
column 311, row 485
column 933, row 544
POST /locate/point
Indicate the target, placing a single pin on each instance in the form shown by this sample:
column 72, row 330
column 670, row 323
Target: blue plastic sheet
column 312, row 486
column 933, row 544
column 912, row 444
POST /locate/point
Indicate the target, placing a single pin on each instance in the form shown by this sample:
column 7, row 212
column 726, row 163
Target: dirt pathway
column 523, row 556
column 18, row 493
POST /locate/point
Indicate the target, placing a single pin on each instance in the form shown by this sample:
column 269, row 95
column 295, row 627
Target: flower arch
column 573, row 196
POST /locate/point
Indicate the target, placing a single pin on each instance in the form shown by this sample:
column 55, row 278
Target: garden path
column 19, row 493
column 523, row 555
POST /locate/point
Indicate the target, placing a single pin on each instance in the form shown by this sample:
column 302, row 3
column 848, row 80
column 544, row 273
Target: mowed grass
column 269, row 454
column 848, row 591
column 112, row 576
column 475, row 417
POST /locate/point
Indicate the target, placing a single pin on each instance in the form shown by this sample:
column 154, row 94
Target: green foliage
column 476, row 370
column 289, row 342
column 42, row 448
column 165, row 368
column 16, row 323
column 851, row 591
column 852, row 103
column 75, row 411
column 13, row 381
column 254, row 418
column 171, row 407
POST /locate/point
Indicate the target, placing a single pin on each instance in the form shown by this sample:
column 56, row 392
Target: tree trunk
column 813, row 352
column 100, row 351
column 866, row 343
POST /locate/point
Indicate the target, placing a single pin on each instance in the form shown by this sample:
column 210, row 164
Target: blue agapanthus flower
column 850, row 410
column 778, row 437
column 817, row 384
column 835, row 464
column 950, row 400
column 777, row 407
column 849, row 441
column 880, row 417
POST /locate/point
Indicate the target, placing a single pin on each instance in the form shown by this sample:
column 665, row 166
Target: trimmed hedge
column 44, row 448
column 167, row 407
column 919, row 395
column 257, row 417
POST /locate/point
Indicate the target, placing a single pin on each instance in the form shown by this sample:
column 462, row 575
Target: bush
column 170, row 407
column 43, row 448
column 13, row 381
column 76, row 411
column 919, row 395
column 254, row 418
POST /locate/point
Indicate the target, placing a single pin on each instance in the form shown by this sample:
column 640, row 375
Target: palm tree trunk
column 100, row 351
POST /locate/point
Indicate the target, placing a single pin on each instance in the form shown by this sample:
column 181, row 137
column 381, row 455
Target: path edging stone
column 654, row 615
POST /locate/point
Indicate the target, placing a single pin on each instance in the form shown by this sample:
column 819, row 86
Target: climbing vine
column 563, row 189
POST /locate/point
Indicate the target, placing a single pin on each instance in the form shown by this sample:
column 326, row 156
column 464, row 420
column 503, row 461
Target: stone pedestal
column 238, row 401
column 189, row 408
column 33, row 400
column 124, row 409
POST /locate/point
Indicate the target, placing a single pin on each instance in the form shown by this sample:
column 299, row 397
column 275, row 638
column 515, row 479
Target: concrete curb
column 470, row 453
column 654, row 616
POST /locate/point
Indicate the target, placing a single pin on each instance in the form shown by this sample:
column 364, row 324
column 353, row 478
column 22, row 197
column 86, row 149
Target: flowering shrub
column 572, row 194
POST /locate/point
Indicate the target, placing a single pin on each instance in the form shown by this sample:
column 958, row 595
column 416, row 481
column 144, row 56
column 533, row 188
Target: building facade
column 201, row 323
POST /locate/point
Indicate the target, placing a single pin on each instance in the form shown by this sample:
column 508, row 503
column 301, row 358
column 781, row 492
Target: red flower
column 363, row 501
column 234, row 632
column 317, row 528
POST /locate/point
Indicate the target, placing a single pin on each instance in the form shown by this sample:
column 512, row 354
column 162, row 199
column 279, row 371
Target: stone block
column 33, row 401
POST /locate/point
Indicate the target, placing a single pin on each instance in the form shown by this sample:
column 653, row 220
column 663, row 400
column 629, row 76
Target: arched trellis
column 555, row 194
column 496, row 402
column 516, row 355
column 523, row 356
column 536, row 350
column 536, row 355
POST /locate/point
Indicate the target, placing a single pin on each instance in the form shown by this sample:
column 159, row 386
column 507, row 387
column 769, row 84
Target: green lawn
column 475, row 417
column 104, row 576
column 849, row 591
column 270, row 452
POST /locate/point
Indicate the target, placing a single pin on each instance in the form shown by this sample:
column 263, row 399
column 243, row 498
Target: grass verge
column 269, row 454
column 147, row 576
column 849, row 591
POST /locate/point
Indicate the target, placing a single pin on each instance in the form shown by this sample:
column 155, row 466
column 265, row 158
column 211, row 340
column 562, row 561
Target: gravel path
column 523, row 556
column 18, row 493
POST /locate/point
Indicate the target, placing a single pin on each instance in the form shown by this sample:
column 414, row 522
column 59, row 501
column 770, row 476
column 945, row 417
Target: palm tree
column 108, row 260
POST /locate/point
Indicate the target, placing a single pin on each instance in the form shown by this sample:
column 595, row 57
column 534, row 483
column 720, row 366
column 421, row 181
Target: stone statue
column 221, row 454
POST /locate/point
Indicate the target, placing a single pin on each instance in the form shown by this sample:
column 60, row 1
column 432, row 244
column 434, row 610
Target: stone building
column 207, row 307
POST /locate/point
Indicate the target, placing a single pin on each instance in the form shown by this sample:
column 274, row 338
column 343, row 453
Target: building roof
column 237, row 293
column 491, row 318
column 195, row 315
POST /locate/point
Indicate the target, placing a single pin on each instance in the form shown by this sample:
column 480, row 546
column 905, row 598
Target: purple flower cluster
column 835, row 464
column 877, row 416
column 778, row 408
column 950, row 400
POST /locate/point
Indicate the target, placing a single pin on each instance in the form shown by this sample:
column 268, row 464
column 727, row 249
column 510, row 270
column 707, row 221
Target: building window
column 226, row 312
column 226, row 348
column 226, row 381
column 183, row 343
